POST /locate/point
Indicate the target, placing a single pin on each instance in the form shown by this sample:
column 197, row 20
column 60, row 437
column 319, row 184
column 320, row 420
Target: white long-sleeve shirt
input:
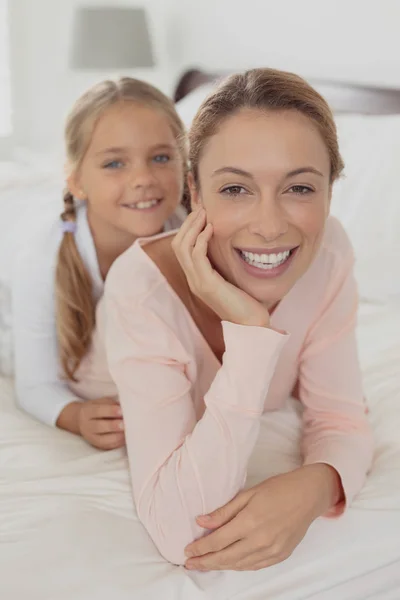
column 41, row 391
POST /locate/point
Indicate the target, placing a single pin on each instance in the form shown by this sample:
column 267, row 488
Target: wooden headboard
column 342, row 97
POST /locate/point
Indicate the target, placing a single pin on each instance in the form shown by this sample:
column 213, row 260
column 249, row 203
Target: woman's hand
column 99, row 422
column 263, row 525
column 227, row 301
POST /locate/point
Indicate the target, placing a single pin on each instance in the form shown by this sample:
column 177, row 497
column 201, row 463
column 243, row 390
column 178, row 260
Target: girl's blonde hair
column 75, row 307
column 263, row 89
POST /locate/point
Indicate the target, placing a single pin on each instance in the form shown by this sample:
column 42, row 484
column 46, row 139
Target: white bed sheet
column 68, row 529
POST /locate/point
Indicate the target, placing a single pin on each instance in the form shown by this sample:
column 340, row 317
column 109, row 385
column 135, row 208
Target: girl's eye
column 234, row 190
column 300, row 190
column 113, row 164
column 161, row 158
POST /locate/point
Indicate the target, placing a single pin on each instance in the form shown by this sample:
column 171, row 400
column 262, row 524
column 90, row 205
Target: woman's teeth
column 265, row 261
column 143, row 205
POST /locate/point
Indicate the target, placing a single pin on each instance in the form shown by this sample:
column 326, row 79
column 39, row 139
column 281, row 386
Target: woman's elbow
column 170, row 531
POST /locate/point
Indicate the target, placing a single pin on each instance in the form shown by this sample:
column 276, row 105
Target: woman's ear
column 329, row 199
column 194, row 193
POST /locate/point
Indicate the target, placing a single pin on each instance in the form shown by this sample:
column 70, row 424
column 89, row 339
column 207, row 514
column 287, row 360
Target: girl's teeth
column 265, row 261
column 143, row 205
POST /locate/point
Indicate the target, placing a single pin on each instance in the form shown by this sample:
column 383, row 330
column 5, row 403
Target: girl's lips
column 270, row 272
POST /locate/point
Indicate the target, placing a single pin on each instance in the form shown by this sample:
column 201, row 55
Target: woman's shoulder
column 143, row 286
column 333, row 262
column 336, row 242
column 141, row 271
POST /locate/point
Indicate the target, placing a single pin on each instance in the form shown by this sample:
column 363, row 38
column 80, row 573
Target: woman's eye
column 113, row 164
column 161, row 158
column 300, row 190
column 234, row 190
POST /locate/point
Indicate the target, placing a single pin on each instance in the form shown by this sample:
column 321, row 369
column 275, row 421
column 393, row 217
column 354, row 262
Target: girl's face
column 132, row 172
column 264, row 181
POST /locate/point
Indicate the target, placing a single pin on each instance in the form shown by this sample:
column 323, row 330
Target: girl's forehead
column 131, row 125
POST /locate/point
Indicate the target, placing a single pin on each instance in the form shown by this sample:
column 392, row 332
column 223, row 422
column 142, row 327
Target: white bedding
column 68, row 529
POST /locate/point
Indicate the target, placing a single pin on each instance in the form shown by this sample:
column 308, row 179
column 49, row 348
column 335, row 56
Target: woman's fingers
column 189, row 230
column 186, row 237
column 201, row 264
column 184, row 244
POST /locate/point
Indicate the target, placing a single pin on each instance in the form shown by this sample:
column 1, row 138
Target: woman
column 126, row 163
column 208, row 328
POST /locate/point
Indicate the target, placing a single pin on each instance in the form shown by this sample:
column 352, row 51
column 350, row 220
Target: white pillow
column 189, row 105
column 367, row 201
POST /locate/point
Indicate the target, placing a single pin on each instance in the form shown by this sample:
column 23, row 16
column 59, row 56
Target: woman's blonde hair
column 75, row 306
column 263, row 89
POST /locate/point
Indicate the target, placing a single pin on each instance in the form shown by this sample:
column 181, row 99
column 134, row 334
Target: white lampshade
column 111, row 38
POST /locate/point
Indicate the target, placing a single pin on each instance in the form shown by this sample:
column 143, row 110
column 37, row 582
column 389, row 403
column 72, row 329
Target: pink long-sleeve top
column 191, row 423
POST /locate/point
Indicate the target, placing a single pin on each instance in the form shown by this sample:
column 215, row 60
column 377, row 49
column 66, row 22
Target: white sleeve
column 40, row 390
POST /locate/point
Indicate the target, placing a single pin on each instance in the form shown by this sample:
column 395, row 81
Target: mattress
column 68, row 529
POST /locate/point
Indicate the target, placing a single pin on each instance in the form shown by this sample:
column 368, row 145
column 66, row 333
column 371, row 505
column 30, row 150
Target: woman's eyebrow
column 234, row 170
column 301, row 170
column 243, row 173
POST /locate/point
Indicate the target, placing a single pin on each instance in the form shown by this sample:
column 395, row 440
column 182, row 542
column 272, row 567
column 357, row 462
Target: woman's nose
column 269, row 219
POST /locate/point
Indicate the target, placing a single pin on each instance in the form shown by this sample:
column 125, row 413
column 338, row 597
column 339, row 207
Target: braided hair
column 74, row 304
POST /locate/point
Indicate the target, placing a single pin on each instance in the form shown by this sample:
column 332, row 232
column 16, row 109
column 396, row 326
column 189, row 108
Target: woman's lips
column 266, row 264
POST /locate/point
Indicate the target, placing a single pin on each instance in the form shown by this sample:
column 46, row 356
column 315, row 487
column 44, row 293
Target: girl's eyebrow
column 125, row 150
column 113, row 150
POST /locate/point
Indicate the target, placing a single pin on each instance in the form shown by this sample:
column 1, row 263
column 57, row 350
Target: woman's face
column 264, row 181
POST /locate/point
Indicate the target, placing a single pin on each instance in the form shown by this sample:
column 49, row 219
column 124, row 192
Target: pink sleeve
column 181, row 468
column 336, row 428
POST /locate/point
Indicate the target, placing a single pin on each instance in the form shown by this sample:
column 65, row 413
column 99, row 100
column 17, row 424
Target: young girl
column 208, row 328
column 126, row 165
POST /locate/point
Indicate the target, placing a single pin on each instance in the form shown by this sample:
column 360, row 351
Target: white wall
column 354, row 40
column 44, row 87
column 5, row 96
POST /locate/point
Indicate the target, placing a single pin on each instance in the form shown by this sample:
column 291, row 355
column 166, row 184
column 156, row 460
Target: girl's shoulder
column 37, row 245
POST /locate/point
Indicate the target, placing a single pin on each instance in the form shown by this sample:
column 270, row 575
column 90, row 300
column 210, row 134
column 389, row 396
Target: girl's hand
column 100, row 423
column 227, row 301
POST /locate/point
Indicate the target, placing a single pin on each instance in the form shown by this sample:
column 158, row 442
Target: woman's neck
column 109, row 242
column 207, row 321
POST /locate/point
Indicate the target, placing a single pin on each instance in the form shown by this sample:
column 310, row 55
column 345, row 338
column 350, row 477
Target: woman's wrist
column 327, row 486
column 257, row 321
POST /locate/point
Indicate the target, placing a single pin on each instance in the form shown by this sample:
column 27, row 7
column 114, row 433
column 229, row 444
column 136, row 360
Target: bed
column 68, row 529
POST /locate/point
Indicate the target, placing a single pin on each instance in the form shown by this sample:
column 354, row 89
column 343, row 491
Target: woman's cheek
column 309, row 219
